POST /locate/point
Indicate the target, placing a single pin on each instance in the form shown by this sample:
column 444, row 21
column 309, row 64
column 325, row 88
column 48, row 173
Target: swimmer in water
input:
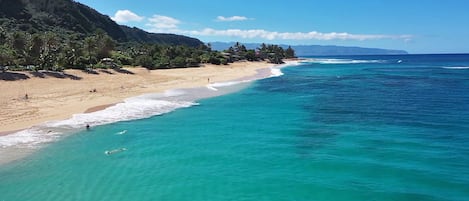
column 115, row 151
column 121, row 132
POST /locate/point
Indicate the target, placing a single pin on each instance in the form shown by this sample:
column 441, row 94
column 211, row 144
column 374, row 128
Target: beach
column 29, row 106
column 43, row 98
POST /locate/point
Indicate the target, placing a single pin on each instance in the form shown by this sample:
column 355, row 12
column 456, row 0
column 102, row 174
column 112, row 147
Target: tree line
column 271, row 53
column 50, row 51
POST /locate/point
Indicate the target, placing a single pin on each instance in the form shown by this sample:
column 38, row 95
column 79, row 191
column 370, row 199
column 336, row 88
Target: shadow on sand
column 60, row 75
column 90, row 71
column 37, row 74
column 10, row 76
column 121, row 70
column 106, row 71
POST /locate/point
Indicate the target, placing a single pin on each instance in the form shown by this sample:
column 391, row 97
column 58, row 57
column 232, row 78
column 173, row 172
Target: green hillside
column 68, row 17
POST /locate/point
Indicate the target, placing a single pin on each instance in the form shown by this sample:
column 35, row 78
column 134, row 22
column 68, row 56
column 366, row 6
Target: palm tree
column 289, row 52
column 18, row 43
column 90, row 49
column 49, row 51
column 34, row 49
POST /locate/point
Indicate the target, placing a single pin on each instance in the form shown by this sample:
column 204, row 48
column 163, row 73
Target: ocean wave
column 276, row 72
column 29, row 138
column 343, row 61
column 456, row 67
column 215, row 86
column 131, row 109
column 134, row 108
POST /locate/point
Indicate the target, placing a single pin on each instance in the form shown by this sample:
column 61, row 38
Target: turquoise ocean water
column 341, row 128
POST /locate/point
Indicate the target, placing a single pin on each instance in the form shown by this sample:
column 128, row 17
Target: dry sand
column 51, row 98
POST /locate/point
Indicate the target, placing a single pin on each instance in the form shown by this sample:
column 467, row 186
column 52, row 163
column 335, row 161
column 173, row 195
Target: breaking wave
column 343, row 61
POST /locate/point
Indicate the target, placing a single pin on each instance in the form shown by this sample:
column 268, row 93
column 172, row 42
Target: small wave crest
column 215, row 86
column 29, row 138
column 456, row 67
column 139, row 107
column 343, row 61
column 276, row 72
column 131, row 109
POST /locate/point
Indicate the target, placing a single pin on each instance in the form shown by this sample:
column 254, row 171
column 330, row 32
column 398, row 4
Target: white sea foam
column 139, row 107
column 209, row 86
column 276, row 72
column 227, row 84
column 29, row 138
column 457, row 67
column 173, row 92
column 215, row 86
column 343, row 61
column 132, row 108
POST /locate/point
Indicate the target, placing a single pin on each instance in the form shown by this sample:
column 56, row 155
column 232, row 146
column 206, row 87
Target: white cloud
column 160, row 23
column 123, row 16
column 273, row 35
column 165, row 24
column 232, row 18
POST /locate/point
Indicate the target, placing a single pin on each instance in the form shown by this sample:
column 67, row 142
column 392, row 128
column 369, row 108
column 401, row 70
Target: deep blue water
column 333, row 128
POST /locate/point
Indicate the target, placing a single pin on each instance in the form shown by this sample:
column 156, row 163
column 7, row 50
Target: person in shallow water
column 87, row 127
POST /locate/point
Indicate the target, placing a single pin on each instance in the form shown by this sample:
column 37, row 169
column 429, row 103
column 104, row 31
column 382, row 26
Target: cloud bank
column 165, row 24
column 123, row 16
column 273, row 35
column 232, row 18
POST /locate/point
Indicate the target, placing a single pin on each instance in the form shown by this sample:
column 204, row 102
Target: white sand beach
column 51, row 98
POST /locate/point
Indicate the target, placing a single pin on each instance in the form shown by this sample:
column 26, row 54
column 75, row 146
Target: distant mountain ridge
column 69, row 17
column 318, row 50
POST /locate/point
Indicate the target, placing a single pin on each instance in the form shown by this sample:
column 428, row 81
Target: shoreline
column 4, row 133
column 98, row 108
column 176, row 79
column 89, row 110
column 47, row 102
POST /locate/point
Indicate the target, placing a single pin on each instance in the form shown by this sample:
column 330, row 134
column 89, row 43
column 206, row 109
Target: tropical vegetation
column 61, row 34
column 49, row 51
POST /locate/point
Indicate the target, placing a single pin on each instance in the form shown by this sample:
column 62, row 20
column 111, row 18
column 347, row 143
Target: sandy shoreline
column 50, row 98
column 98, row 108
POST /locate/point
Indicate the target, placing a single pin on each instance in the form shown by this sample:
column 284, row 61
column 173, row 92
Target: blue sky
column 430, row 26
